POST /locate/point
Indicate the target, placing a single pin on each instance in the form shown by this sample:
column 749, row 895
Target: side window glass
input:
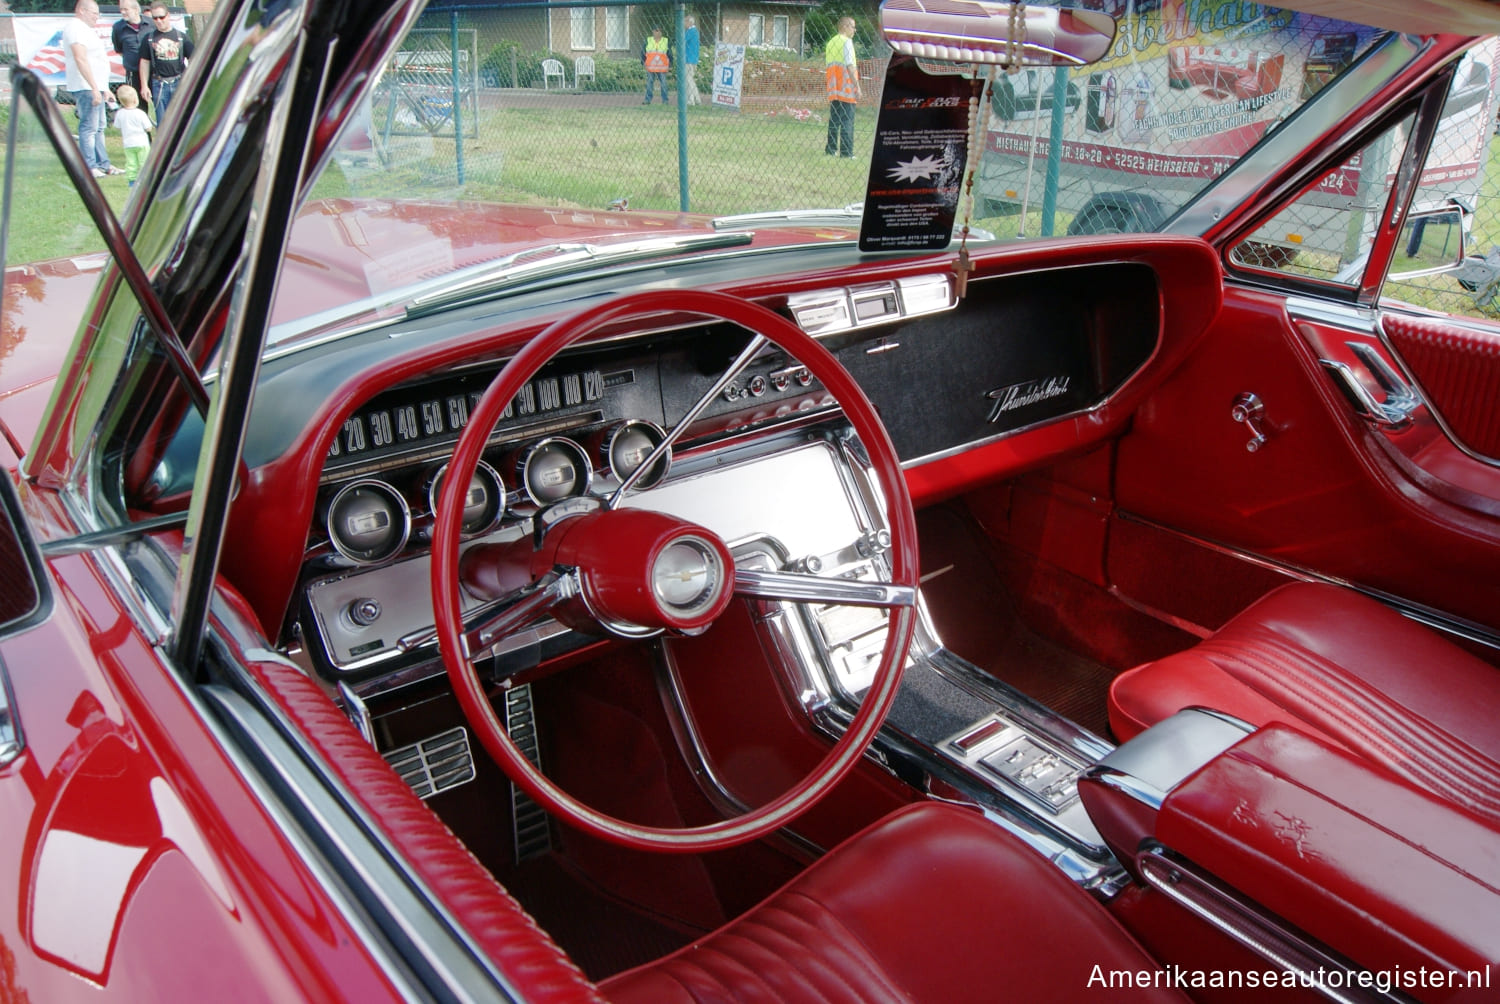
column 1327, row 232
column 1461, row 177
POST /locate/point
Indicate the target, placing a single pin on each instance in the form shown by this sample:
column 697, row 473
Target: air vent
column 533, row 835
column 435, row 764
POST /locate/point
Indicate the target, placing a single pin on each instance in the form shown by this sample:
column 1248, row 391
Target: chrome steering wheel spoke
column 506, row 615
column 799, row 587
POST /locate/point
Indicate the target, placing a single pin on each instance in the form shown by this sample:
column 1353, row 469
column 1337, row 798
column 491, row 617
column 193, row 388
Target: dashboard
column 947, row 376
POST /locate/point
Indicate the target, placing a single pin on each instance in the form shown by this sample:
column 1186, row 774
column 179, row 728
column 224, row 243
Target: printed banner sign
column 729, row 74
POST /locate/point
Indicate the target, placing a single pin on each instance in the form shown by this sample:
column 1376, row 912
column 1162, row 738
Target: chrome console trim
column 1255, row 928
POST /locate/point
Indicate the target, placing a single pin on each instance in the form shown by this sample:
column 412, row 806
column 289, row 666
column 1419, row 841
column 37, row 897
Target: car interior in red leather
column 1065, row 620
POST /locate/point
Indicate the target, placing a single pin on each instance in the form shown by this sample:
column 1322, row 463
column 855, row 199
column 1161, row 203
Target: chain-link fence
column 549, row 104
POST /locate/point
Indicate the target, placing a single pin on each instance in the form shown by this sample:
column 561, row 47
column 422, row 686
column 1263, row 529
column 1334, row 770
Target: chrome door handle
column 1400, row 399
column 1249, row 408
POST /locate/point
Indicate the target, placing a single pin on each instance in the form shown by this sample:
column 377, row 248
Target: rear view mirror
column 1432, row 241
column 976, row 31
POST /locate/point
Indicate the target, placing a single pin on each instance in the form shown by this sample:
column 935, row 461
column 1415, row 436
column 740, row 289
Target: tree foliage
column 46, row 7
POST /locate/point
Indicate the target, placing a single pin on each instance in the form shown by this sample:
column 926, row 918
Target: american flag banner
column 39, row 47
column 48, row 60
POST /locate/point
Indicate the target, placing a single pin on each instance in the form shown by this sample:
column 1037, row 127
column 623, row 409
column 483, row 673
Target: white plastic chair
column 583, row 66
column 553, row 68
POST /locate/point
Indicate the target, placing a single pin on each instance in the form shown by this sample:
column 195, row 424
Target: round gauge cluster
column 369, row 521
column 484, row 503
column 625, row 447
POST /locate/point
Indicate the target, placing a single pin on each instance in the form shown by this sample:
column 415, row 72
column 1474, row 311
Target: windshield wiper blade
column 552, row 260
column 831, row 217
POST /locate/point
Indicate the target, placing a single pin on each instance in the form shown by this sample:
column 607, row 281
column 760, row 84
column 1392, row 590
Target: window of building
column 582, row 34
column 780, row 30
column 617, row 28
column 757, row 30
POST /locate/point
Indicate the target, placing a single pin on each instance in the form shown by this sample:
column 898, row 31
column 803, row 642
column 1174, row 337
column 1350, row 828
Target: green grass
column 758, row 159
column 592, row 156
column 49, row 220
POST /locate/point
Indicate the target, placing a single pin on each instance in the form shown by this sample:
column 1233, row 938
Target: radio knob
column 364, row 611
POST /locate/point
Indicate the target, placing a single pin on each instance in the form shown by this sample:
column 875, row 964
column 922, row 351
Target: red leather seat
column 932, row 903
column 1345, row 668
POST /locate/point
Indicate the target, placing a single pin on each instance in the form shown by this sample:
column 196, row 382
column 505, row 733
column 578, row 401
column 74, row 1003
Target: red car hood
column 342, row 252
column 43, row 306
column 345, row 250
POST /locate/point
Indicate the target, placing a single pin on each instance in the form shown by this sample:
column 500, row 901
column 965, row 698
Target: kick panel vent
column 533, row 833
column 436, row 764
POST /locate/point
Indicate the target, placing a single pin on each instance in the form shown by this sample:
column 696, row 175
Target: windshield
column 497, row 131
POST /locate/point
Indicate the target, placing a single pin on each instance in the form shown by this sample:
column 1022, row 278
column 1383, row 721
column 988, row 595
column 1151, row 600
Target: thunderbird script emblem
column 1019, row 395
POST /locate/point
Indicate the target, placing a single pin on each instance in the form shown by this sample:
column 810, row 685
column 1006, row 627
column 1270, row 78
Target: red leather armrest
column 1359, row 859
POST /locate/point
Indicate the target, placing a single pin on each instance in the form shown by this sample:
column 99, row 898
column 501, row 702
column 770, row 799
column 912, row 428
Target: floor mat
column 602, row 936
column 977, row 616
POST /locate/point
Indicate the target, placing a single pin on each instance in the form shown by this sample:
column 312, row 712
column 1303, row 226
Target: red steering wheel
column 571, row 562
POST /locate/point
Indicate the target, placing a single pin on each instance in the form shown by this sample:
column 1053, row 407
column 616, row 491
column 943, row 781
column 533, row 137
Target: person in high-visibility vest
column 841, row 74
column 654, row 55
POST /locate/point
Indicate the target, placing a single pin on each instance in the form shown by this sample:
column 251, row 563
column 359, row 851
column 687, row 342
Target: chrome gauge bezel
column 364, row 557
column 497, row 494
column 654, row 432
column 525, row 469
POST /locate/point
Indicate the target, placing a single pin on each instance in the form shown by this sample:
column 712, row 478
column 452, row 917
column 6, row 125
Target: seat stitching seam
column 1352, row 705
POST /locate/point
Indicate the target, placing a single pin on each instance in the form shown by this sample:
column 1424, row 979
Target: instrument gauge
column 554, row 469
column 625, row 447
column 368, row 521
column 484, row 503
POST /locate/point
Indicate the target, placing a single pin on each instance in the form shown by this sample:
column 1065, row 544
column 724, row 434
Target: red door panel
column 1325, row 492
column 1458, row 371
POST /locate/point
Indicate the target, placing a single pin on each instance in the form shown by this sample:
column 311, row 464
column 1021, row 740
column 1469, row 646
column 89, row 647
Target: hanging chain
column 979, row 123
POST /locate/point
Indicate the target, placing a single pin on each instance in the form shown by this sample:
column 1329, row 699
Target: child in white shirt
column 134, row 125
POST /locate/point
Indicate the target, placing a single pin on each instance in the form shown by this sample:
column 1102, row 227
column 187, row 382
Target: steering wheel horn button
column 687, row 575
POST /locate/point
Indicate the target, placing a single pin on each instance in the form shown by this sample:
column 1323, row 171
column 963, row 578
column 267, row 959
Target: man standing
column 654, row 55
column 86, row 65
column 841, row 75
column 690, row 59
column 126, row 37
column 164, row 58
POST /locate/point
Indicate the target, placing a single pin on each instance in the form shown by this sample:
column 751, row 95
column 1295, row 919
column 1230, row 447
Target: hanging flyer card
column 917, row 170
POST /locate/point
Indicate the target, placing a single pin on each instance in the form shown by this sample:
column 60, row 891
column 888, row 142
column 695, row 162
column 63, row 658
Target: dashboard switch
column 364, row 611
